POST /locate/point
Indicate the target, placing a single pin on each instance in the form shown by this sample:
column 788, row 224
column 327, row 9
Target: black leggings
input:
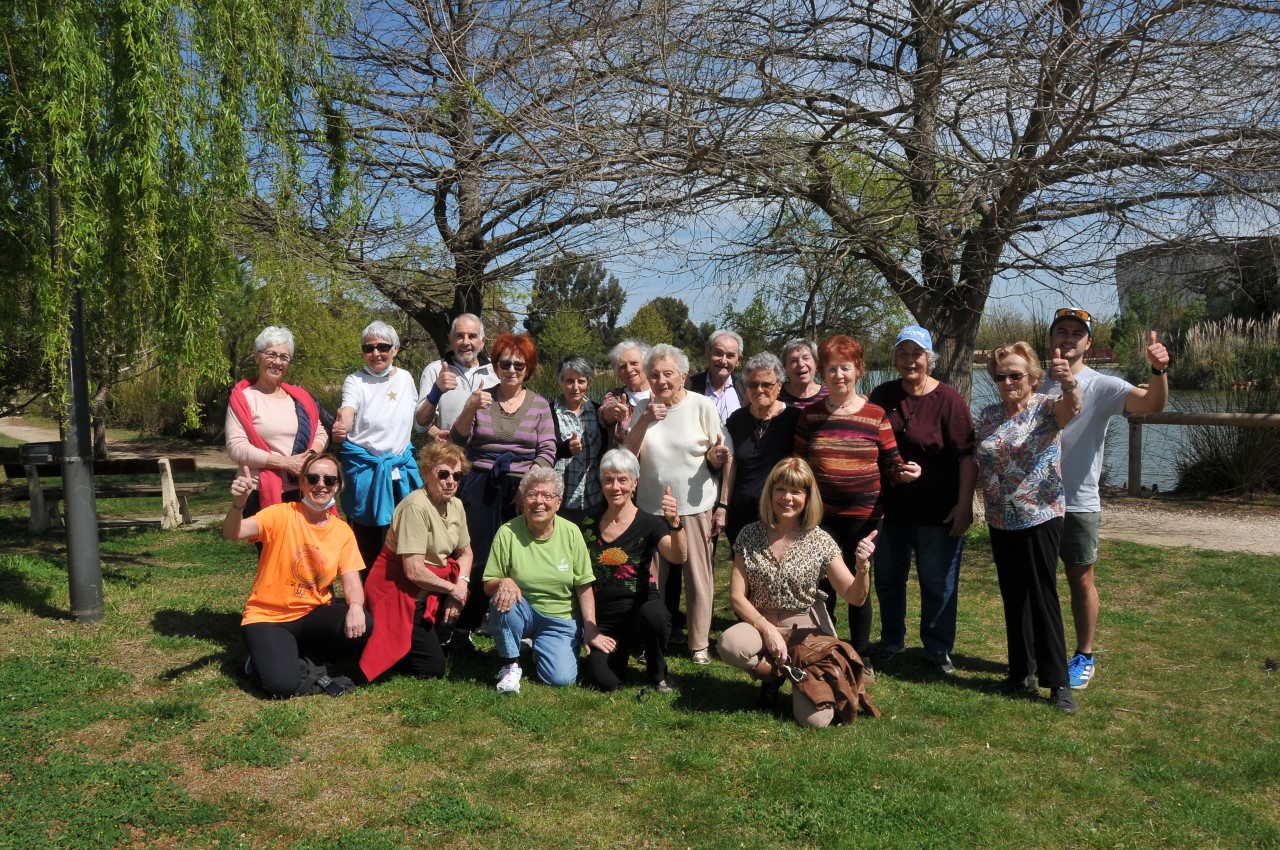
column 318, row 635
column 425, row 658
column 848, row 533
column 648, row 627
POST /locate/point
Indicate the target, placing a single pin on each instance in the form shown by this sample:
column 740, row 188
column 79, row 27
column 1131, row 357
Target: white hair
column 663, row 351
column 615, row 353
column 453, row 326
column 273, row 335
column 620, row 460
column 381, row 330
column 542, row 475
column 719, row 332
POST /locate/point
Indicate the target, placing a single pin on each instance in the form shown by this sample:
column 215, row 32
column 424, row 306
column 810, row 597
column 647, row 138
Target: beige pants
column 699, row 580
column 741, row 646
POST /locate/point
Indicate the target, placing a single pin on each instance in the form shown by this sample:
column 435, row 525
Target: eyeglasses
column 278, row 358
column 1002, row 377
column 445, row 475
column 380, row 347
column 1072, row 313
column 314, row 478
column 518, row 365
column 539, row 496
column 761, row 385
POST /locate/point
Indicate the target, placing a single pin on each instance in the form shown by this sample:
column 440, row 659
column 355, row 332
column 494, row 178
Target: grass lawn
column 138, row 733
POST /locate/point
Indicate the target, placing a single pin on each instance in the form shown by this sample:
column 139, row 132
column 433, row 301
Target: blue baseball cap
column 916, row 334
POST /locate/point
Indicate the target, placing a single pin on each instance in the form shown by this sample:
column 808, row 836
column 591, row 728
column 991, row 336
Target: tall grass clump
column 1238, row 363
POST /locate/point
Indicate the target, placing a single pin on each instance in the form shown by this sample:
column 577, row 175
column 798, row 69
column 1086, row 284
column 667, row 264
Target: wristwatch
column 1158, row 372
column 679, row 527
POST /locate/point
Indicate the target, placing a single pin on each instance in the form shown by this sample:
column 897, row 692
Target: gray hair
column 663, row 351
column 542, row 475
column 794, row 345
column 620, row 460
column 273, row 335
column 381, row 330
column 719, row 332
column 615, row 353
column 765, row 362
column 453, row 326
column 578, row 364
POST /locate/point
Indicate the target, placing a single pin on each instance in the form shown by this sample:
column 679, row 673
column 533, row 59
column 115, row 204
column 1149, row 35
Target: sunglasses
column 380, row 347
column 1072, row 313
column 314, row 478
column 761, row 385
column 445, row 475
column 1001, row 377
column 518, row 365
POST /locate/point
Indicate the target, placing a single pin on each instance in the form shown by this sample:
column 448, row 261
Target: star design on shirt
column 391, row 395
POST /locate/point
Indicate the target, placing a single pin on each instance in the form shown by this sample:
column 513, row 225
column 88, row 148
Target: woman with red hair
column 507, row 430
column 850, row 445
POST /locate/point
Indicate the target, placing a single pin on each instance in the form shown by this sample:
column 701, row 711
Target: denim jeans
column 555, row 641
column 938, row 569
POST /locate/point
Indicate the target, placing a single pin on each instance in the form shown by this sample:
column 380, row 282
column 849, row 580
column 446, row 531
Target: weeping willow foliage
column 138, row 122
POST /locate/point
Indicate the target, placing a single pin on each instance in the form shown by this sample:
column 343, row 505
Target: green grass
column 137, row 733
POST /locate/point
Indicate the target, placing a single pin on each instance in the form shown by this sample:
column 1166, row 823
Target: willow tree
column 123, row 124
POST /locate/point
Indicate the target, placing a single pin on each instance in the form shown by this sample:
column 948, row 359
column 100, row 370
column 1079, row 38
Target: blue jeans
column 555, row 641
column 938, row 568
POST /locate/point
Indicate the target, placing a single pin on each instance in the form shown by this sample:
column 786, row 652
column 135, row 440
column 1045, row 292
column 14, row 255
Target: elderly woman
column 1019, row 458
column 372, row 430
column 273, row 427
column 507, row 431
column 537, row 566
column 778, row 563
column 762, row 433
column 848, row 442
column 620, row 403
column 800, row 360
column 579, row 440
column 929, row 516
column 682, row 446
column 421, row 579
column 291, row 615
column 622, row 542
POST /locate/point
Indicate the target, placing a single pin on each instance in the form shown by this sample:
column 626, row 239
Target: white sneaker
column 509, row 679
column 701, row 656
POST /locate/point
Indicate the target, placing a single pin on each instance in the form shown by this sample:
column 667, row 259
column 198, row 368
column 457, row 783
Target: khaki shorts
column 1079, row 546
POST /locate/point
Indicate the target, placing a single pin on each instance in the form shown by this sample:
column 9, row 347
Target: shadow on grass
column 31, row 596
column 220, row 627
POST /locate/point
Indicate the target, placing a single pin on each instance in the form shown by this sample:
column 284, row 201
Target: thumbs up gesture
column 242, row 486
column 866, row 547
column 718, row 453
column 1059, row 369
column 670, row 508
column 1157, row 354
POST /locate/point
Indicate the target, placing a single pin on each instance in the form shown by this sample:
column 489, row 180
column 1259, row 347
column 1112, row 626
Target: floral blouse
column 621, row 565
column 1020, row 464
column 793, row 584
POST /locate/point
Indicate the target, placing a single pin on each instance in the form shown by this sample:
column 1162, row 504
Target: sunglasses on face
column 314, row 478
column 1001, row 377
column 445, row 475
column 518, row 365
column 380, row 347
column 761, row 385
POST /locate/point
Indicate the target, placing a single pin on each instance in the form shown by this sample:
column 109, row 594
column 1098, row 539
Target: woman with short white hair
column 619, row 404
column 372, row 430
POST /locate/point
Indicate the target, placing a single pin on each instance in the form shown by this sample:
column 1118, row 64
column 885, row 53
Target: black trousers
column 318, row 635
column 489, row 503
column 1027, row 569
column 848, row 533
column 648, row 627
column 426, row 657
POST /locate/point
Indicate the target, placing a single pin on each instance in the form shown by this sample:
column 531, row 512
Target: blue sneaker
column 1080, row 670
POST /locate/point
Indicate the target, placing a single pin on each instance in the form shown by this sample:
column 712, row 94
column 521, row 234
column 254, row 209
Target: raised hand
column 447, row 380
column 242, row 486
column 1157, row 354
column 866, row 547
column 670, row 508
column 719, row 453
column 1059, row 369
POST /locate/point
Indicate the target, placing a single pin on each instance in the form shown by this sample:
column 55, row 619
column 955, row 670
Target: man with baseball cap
column 1104, row 396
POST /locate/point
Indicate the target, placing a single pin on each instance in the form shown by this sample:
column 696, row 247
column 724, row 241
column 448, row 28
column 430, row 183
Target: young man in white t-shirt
column 447, row 383
column 1103, row 396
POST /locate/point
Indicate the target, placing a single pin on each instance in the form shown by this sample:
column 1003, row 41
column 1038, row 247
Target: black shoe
column 1062, row 700
column 460, row 644
column 943, row 660
column 666, row 686
column 768, row 700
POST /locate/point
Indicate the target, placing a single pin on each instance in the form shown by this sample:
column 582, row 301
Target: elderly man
column 447, row 383
column 1103, row 396
column 719, row 383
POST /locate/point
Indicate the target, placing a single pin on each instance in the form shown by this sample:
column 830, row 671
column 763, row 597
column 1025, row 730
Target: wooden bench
column 45, row 496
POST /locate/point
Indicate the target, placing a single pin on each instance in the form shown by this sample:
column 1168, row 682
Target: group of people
column 563, row 523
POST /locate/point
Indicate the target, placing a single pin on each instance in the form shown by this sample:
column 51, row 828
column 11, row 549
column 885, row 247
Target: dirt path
column 1198, row 525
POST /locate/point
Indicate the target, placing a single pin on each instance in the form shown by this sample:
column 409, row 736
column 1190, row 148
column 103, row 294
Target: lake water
column 1160, row 443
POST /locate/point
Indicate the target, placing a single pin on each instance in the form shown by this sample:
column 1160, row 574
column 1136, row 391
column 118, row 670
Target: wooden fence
column 1225, row 420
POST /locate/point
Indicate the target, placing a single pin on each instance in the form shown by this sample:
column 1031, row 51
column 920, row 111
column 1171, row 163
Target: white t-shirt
column 674, row 453
column 384, row 409
column 480, row 376
column 1102, row 396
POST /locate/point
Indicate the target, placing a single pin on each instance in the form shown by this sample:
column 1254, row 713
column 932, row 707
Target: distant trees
column 575, row 300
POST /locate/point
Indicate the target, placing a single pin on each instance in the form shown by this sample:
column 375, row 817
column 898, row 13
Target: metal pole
column 84, row 567
column 1135, row 458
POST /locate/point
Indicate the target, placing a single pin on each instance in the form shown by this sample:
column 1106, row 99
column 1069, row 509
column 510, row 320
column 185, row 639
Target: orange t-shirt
column 298, row 564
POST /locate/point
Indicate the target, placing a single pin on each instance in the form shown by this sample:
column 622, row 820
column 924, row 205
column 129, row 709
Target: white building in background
column 1229, row 276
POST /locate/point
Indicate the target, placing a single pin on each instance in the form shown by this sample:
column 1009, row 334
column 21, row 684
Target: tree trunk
column 100, row 421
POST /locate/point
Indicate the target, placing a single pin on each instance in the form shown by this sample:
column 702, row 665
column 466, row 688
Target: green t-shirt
column 546, row 571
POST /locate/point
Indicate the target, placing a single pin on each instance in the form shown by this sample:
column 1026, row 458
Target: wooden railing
column 1226, row 420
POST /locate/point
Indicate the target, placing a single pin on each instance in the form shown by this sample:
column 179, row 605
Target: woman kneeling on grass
column 291, row 616
column 537, row 565
column 777, row 564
